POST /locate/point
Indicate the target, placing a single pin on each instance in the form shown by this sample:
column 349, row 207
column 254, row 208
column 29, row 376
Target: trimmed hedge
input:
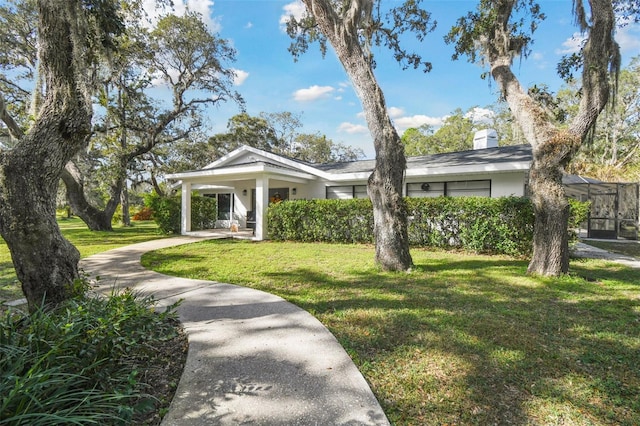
column 333, row 221
column 484, row 225
column 166, row 212
column 480, row 224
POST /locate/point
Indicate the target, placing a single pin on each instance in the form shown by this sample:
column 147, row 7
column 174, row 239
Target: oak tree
column 498, row 32
column 354, row 28
column 45, row 262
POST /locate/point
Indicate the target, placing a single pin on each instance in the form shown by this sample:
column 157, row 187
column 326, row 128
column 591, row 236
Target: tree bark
column 385, row 183
column 94, row 218
column 553, row 147
column 124, row 202
column 45, row 262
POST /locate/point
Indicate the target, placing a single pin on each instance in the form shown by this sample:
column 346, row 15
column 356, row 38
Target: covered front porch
column 243, row 193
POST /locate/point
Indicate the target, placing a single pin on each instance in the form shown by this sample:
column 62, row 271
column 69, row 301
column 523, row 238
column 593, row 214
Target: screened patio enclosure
column 614, row 208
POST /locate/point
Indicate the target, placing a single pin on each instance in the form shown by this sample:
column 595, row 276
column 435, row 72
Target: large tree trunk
column 94, row 218
column 552, row 147
column 45, row 262
column 385, row 183
column 551, row 207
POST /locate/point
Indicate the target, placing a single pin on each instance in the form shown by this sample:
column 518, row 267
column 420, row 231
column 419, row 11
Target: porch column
column 185, row 224
column 262, row 202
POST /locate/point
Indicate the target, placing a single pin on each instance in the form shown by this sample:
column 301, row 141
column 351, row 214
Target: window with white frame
column 346, row 192
column 468, row 188
column 431, row 189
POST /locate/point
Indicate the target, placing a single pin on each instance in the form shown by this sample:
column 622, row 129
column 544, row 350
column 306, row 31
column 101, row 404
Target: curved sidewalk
column 253, row 357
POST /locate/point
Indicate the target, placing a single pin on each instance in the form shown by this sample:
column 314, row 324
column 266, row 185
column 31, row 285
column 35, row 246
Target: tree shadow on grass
column 476, row 341
column 523, row 350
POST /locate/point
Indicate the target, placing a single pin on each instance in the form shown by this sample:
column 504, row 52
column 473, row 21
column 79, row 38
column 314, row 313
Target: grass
column 87, row 242
column 462, row 339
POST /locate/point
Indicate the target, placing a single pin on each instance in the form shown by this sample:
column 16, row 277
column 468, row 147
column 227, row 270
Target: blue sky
column 319, row 89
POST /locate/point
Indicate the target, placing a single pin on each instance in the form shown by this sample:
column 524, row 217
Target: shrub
column 79, row 363
column 166, row 212
column 145, row 213
column 345, row 221
column 204, row 211
column 492, row 225
column 488, row 225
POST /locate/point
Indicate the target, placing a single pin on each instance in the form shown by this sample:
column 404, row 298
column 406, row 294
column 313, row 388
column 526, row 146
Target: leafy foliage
column 377, row 27
column 520, row 19
column 611, row 153
column 346, row 221
column 80, row 363
column 479, row 224
column 278, row 133
column 166, row 212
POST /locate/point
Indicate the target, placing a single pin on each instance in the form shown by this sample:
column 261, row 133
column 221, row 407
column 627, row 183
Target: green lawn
column 87, row 242
column 462, row 339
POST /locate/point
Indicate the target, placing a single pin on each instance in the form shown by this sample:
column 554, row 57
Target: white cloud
column 203, row 7
column 539, row 60
column 571, row 45
column 240, row 77
column 296, row 9
column 312, row 93
column 395, row 112
column 249, row 25
column 360, row 114
column 159, row 80
column 352, row 128
column 628, row 37
column 480, row 115
column 403, row 123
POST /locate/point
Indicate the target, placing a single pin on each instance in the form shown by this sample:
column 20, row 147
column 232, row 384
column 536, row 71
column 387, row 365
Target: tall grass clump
column 80, row 363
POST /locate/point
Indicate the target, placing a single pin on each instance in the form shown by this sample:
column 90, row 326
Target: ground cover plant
column 92, row 360
column 462, row 339
column 87, row 242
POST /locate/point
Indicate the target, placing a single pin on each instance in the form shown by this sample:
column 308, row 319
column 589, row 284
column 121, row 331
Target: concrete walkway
column 584, row 250
column 254, row 359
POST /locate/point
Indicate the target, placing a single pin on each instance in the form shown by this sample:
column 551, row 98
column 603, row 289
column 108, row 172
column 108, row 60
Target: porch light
column 294, row 190
column 424, row 186
column 244, row 192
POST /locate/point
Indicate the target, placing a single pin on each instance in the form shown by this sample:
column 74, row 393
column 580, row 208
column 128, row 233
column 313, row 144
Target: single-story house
column 246, row 180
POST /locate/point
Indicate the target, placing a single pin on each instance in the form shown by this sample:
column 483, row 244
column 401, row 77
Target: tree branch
column 14, row 130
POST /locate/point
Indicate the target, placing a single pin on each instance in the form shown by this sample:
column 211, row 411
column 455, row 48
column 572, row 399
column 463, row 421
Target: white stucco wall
column 508, row 184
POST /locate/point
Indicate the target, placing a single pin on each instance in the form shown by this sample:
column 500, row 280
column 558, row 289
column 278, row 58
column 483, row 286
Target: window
column 277, row 195
column 469, row 188
column 466, row 188
column 431, row 189
column 347, row 192
column 224, row 206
